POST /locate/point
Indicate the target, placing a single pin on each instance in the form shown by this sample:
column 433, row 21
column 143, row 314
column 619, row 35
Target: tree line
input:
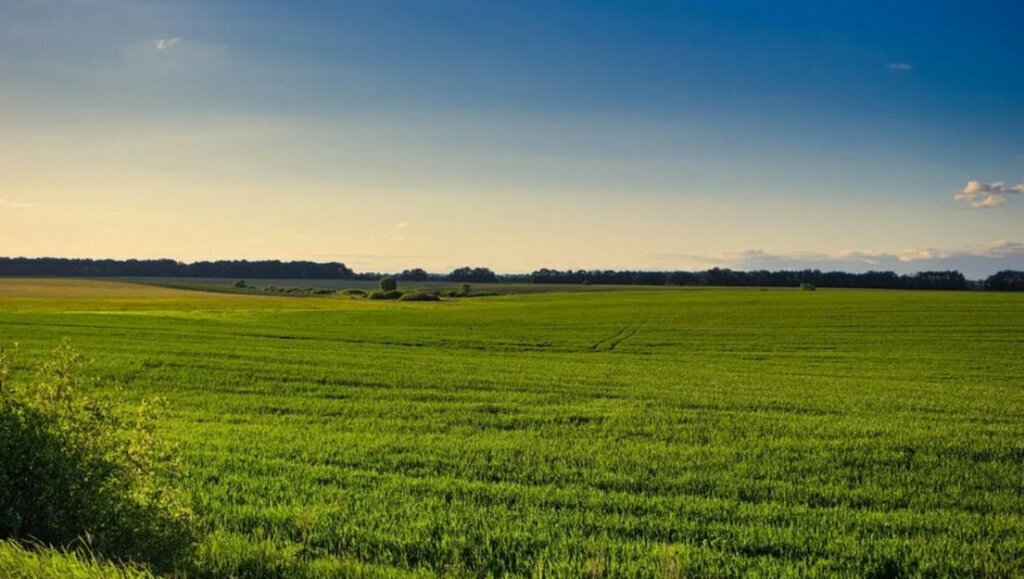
column 1007, row 280
column 267, row 269
column 944, row 280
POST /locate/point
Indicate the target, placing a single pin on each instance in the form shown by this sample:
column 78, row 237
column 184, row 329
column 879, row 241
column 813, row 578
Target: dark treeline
column 764, row 278
column 1006, row 281
column 273, row 269
column 268, row 269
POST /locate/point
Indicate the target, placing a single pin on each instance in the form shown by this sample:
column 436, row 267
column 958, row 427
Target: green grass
column 621, row 433
column 18, row 562
column 222, row 284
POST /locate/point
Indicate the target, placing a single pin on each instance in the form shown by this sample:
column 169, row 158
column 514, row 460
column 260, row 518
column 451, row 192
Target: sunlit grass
column 706, row 432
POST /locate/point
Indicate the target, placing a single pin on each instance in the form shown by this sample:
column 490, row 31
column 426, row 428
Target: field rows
column 615, row 433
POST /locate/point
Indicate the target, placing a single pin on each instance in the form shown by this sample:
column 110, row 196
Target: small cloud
column 990, row 201
column 999, row 249
column 988, row 195
column 165, row 43
column 401, row 225
column 899, row 66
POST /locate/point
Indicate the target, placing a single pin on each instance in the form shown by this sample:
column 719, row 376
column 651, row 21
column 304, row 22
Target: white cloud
column 990, row 201
column 987, row 195
column 165, row 43
column 899, row 66
column 401, row 225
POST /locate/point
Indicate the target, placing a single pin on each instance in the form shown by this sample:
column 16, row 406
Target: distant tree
column 415, row 274
column 388, row 283
column 240, row 284
column 940, row 280
column 683, row 278
column 650, row 278
column 464, row 289
column 473, row 274
column 1006, row 281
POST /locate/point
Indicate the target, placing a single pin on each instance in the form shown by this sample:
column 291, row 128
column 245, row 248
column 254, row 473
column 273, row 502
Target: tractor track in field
column 622, row 338
column 611, row 342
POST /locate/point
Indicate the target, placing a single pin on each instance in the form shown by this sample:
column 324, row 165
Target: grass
column 18, row 562
column 640, row 433
column 215, row 284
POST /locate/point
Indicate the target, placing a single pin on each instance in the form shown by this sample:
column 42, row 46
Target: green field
column 667, row 433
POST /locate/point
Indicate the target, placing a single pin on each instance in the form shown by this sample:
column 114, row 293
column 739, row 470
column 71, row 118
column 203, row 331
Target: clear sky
column 516, row 135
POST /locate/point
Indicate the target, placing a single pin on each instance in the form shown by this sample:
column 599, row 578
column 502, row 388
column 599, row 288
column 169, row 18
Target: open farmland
column 616, row 433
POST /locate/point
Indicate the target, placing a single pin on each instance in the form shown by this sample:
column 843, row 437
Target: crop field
column 668, row 433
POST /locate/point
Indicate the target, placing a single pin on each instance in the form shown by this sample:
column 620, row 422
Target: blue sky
column 516, row 135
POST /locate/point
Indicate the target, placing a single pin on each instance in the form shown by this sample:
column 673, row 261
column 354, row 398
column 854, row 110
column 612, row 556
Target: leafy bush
column 385, row 295
column 388, row 283
column 465, row 289
column 240, row 284
column 355, row 293
column 420, row 297
column 807, row 287
column 300, row 291
column 75, row 472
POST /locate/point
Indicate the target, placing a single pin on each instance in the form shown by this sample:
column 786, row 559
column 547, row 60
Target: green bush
column 74, row 472
column 300, row 291
column 420, row 297
column 355, row 293
column 385, row 295
column 388, row 284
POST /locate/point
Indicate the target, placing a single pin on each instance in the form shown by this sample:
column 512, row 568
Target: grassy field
column 620, row 433
column 227, row 284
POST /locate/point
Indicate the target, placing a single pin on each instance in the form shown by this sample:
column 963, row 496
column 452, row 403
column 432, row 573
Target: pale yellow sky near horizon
column 291, row 189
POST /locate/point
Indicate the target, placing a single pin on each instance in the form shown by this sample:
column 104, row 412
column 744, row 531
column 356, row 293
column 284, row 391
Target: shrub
column 355, row 293
column 809, row 287
column 385, row 295
column 74, row 472
column 464, row 289
column 388, row 284
column 300, row 291
column 240, row 284
column 420, row 297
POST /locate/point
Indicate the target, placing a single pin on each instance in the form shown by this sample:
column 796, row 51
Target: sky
column 643, row 134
